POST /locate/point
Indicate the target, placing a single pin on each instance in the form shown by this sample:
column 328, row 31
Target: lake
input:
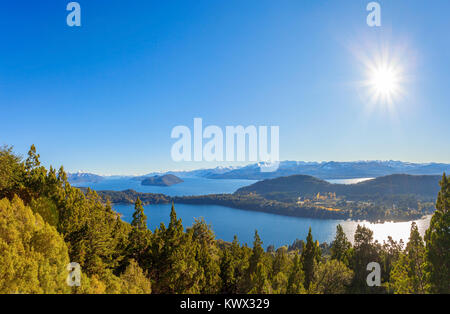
column 273, row 229
column 348, row 181
column 227, row 222
column 190, row 186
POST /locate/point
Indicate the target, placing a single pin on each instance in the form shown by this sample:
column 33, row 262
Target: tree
column 257, row 272
column 310, row 258
column 365, row 251
column 140, row 237
column 35, row 175
column 408, row 273
column 227, row 273
column 134, row 280
column 280, row 270
column 331, row 277
column 296, row 277
column 174, row 268
column 437, row 239
column 239, row 256
column 207, row 257
column 390, row 252
column 340, row 247
column 139, row 218
column 33, row 256
column 11, row 173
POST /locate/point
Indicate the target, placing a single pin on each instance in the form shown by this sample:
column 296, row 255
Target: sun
column 384, row 82
column 386, row 74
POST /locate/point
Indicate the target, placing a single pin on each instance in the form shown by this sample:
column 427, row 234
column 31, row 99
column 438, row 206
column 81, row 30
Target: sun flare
column 386, row 74
column 384, row 81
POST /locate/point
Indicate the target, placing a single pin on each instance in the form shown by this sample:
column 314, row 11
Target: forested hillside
column 45, row 223
column 292, row 187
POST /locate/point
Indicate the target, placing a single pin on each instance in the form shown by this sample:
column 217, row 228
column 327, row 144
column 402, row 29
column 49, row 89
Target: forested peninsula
column 388, row 198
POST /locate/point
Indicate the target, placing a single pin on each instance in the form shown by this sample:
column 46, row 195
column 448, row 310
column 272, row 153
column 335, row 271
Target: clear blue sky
column 104, row 97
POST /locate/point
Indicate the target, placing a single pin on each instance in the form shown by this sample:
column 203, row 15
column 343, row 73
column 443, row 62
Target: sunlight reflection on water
column 397, row 230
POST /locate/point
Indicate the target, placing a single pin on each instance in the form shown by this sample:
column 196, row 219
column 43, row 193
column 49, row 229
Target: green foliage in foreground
column 45, row 223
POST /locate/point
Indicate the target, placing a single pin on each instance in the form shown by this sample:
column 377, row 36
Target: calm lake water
column 348, row 181
column 190, row 186
column 273, row 229
column 227, row 222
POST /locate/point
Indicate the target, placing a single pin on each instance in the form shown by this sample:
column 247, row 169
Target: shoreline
column 359, row 220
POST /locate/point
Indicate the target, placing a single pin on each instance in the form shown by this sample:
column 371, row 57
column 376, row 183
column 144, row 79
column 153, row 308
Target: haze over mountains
column 323, row 170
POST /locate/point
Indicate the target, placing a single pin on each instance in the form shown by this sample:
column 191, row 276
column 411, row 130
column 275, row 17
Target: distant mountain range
column 322, row 170
column 335, row 170
column 202, row 173
column 82, row 177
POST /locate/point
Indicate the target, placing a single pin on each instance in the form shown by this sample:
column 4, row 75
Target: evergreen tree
column 240, row 256
column 227, row 269
column 341, row 247
column 11, row 173
column 408, row 272
column 310, row 257
column 174, row 268
column 257, row 273
column 296, row 277
column 389, row 253
column 207, row 257
column 364, row 252
column 437, row 239
column 140, row 237
column 33, row 256
column 139, row 218
column 331, row 277
column 280, row 270
column 134, row 280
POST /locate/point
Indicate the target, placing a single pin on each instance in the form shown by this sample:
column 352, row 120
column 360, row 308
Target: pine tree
column 331, row 277
column 340, row 247
column 240, row 256
column 257, row 253
column 33, row 159
column 33, row 255
column 140, row 237
column 257, row 273
column 296, row 277
column 174, row 268
column 139, row 218
column 365, row 251
column 11, row 173
column 280, row 270
column 134, row 280
column 408, row 272
column 227, row 277
column 437, row 239
column 310, row 256
column 207, row 257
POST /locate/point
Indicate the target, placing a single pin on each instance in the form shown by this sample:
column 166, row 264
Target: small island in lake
column 165, row 180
